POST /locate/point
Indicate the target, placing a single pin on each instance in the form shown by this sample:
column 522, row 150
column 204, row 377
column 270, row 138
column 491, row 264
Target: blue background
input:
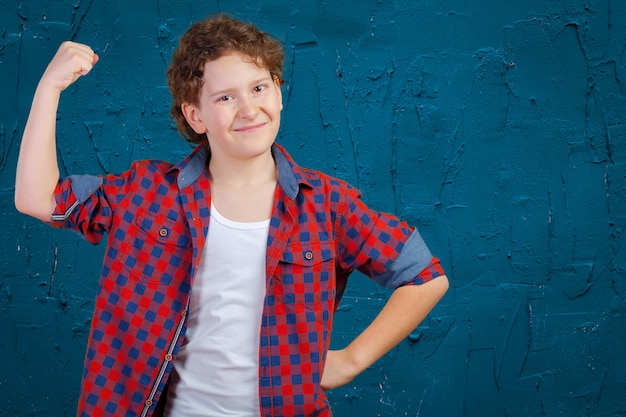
column 497, row 127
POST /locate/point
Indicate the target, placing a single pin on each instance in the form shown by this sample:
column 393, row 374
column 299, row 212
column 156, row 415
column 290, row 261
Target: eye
column 260, row 88
column 225, row 98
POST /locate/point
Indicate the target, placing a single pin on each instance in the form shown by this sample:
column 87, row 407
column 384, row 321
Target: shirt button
column 163, row 232
column 149, row 403
column 183, row 313
column 168, row 357
column 308, row 255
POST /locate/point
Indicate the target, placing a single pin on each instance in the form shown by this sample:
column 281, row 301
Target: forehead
column 233, row 66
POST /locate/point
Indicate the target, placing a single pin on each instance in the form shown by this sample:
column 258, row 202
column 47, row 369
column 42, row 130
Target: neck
column 243, row 190
column 243, row 172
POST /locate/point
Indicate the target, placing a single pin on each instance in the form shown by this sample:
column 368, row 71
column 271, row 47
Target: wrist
column 355, row 361
column 48, row 88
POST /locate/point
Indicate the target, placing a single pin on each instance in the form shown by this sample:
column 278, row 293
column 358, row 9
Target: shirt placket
column 198, row 225
column 284, row 217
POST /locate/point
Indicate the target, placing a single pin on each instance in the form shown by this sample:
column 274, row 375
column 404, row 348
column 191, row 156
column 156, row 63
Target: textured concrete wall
column 496, row 126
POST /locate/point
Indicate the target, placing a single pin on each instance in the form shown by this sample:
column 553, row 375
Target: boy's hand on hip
column 339, row 370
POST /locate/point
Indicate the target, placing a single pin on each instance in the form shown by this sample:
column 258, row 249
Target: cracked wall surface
column 495, row 127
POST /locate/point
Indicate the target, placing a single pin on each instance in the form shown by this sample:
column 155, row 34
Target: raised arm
column 37, row 168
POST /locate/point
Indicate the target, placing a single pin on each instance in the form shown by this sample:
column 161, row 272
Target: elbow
column 26, row 204
column 442, row 285
column 445, row 283
column 19, row 201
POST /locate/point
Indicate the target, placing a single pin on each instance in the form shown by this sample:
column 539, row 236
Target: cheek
column 218, row 120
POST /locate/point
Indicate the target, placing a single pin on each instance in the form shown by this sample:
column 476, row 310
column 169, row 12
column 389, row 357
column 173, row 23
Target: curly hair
column 208, row 40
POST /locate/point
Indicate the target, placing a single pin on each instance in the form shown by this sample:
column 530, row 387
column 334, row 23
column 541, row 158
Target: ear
column 280, row 91
column 193, row 117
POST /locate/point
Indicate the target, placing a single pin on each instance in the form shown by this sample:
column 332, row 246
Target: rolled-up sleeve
column 86, row 203
column 383, row 247
column 79, row 207
column 415, row 265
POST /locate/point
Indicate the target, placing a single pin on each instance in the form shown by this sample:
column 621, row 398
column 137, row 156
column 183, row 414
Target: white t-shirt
column 216, row 371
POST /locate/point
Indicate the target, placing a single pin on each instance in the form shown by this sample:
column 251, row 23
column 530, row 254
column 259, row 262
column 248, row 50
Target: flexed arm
column 37, row 168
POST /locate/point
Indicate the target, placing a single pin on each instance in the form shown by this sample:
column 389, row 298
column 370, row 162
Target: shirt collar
column 290, row 175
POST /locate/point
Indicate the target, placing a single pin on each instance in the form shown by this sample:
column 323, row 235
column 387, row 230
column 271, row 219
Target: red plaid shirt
column 156, row 216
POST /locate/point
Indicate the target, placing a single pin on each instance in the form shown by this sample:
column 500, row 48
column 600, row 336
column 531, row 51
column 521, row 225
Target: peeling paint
column 496, row 127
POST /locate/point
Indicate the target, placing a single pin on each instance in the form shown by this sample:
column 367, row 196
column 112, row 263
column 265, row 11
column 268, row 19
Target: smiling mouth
column 250, row 128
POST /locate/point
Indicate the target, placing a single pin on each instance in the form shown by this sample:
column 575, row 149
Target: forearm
column 404, row 311
column 37, row 168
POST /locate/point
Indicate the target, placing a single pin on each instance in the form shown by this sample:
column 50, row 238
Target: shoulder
column 151, row 167
column 318, row 178
column 293, row 177
column 141, row 174
column 328, row 189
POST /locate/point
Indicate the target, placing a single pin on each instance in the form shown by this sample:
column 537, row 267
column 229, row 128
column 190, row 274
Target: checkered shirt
column 156, row 218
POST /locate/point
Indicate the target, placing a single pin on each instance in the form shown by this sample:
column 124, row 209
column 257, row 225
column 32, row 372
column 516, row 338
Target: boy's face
column 238, row 108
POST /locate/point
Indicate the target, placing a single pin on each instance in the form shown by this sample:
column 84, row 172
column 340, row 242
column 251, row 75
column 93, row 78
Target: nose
column 247, row 107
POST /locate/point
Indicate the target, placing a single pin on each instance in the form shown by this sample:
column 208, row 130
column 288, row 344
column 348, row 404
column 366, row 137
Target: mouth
column 250, row 128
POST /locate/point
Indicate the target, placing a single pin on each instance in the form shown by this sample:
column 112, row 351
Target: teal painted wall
column 496, row 126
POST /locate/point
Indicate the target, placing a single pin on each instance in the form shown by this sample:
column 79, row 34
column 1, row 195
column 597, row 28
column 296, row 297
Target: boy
column 221, row 273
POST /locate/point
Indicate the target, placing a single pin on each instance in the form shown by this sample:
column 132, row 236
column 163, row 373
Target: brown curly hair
column 208, row 40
